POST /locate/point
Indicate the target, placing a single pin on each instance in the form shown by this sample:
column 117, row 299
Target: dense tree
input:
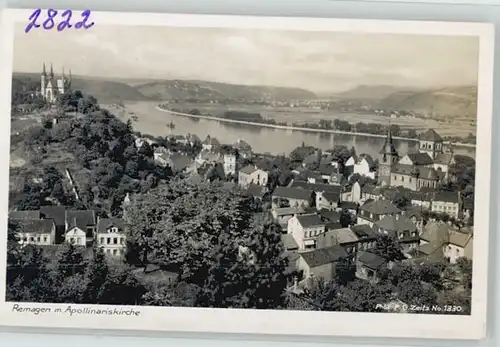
column 208, row 233
column 70, row 262
column 346, row 218
column 345, row 271
column 401, row 201
column 465, row 267
column 388, row 248
column 31, row 197
column 96, row 277
column 28, row 277
column 301, row 152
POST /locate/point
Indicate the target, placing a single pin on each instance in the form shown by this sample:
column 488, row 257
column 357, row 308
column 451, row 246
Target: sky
column 323, row 62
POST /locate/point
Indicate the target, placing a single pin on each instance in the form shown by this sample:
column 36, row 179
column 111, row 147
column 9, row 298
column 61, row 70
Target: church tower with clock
column 388, row 157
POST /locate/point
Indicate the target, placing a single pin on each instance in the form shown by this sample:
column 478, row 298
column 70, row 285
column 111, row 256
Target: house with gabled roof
column 320, row 263
column 459, row 245
column 343, row 237
column 328, row 200
column 251, row 174
column 363, row 165
column 58, row 215
column 449, row 203
column 374, row 210
column 305, row 229
column 39, row 232
column 369, row 266
column 326, row 196
column 431, row 143
column 283, row 215
column 80, row 227
column 433, row 241
column 110, row 236
column 399, row 227
column 367, row 239
column 291, row 197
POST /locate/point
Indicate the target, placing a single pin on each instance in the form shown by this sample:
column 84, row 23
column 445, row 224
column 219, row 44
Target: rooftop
column 56, row 213
column 105, row 223
column 40, row 226
column 419, row 158
column 310, row 220
column 332, row 216
column 80, row 219
column 289, row 242
column 288, row 211
column 380, row 207
column 292, row 193
column 21, row 215
column 371, row 260
column 317, row 187
column 447, row 196
column 323, row 256
column 337, row 236
column 363, row 231
column 460, row 239
column 249, row 169
column 431, row 135
column 396, row 224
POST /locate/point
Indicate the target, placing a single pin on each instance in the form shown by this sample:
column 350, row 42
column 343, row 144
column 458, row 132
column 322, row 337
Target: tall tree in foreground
column 207, row 234
column 250, row 274
column 96, row 277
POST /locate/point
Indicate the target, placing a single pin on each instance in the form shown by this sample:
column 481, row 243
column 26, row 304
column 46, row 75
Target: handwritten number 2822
column 50, row 21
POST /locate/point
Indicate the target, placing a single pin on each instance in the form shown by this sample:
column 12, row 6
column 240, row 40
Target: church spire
column 44, row 71
column 389, row 132
column 389, row 147
column 51, row 71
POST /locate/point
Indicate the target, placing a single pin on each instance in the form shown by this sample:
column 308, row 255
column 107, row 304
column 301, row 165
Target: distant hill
column 451, row 101
column 178, row 89
column 368, row 93
column 109, row 90
column 105, row 91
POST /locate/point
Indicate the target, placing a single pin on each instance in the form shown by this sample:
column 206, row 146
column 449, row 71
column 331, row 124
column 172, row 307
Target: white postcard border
column 276, row 322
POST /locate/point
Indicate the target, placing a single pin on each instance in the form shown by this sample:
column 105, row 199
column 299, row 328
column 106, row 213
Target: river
column 277, row 141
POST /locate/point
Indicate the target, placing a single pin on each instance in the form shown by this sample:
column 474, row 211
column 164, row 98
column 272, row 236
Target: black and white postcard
column 232, row 174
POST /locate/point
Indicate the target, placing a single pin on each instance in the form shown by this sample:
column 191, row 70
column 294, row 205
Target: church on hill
column 51, row 86
column 423, row 169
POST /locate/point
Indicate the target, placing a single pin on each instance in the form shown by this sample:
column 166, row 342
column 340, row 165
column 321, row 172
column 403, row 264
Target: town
column 328, row 229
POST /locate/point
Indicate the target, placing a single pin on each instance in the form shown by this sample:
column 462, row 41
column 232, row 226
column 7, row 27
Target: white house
column 305, row 230
column 283, row 215
column 327, row 200
column 39, row 232
column 449, row 203
column 459, row 245
column 364, row 166
column 80, row 227
column 252, row 175
column 111, row 236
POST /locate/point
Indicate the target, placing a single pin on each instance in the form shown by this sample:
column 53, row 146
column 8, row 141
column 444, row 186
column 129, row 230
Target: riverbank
column 295, row 128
